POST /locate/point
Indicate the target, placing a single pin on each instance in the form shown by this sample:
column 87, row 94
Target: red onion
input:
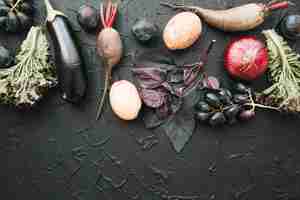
column 246, row 58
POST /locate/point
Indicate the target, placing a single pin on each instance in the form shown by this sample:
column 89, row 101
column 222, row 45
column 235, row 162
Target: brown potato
column 182, row 31
column 125, row 100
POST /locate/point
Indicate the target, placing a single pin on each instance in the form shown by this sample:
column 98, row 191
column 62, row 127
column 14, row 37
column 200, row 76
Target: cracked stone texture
column 56, row 151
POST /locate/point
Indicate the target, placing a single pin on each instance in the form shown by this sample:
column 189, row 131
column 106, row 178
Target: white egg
column 125, row 100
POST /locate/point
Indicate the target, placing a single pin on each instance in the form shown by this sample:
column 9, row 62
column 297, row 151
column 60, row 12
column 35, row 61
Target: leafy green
column 284, row 73
column 25, row 82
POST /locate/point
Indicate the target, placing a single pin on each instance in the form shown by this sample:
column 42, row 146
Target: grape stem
column 255, row 105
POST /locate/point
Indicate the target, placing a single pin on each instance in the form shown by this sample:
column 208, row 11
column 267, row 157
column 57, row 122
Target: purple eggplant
column 72, row 79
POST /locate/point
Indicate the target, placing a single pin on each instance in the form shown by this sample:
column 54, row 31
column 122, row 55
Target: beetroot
column 246, row 58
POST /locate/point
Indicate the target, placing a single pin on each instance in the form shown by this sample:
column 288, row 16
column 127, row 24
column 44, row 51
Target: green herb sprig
column 26, row 81
column 284, row 73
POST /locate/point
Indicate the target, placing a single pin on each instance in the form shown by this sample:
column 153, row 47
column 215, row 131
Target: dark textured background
column 56, row 152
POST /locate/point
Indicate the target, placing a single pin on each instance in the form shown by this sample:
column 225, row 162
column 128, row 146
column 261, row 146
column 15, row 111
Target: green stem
column 51, row 12
column 255, row 105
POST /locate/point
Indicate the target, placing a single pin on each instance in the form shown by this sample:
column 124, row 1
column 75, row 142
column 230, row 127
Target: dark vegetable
column 88, row 17
column 4, row 10
column 290, row 27
column 12, row 23
column 26, row 8
column 25, row 21
column 217, row 119
column 144, row 30
column 6, row 59
column 70, row 67
column 3, row 22
column 18, row 15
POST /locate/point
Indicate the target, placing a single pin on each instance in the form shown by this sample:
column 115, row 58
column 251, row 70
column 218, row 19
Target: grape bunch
column 219, row 106
column 15, row 15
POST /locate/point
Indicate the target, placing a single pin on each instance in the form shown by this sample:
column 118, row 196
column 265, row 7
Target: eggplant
column 71, row 76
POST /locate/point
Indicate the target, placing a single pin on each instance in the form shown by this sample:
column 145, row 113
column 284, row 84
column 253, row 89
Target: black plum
column 88, row 17
column 15, row 16
column 144, row 30
column 6, row 58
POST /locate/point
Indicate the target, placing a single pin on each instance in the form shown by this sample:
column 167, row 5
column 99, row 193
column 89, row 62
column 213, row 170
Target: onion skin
column 182, row 31
column 246, row 58
column 125, row 100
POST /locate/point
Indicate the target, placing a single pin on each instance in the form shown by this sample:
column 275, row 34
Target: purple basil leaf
column 211, row 82
column 180, row 128
column 175, row 76
column 152, row 120
column 149, row 78
column 163, row 112
column 153, row 98
column 175, row 104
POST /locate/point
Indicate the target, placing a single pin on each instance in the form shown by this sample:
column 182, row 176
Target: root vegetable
column 241, row 18
column 125, row 100
column 182, row 31
column 109, row 46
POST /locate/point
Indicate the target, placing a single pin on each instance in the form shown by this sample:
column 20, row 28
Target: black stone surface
column 56, row 151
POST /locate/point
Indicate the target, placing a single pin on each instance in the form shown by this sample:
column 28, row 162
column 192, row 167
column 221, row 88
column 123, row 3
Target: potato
column 182, row 31
column 125, row 100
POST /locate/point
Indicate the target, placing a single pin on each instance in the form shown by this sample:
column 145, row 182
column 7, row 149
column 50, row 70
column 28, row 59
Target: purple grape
column 202, row 116
column 241, row 99
column 247, row 115
column 217, row 119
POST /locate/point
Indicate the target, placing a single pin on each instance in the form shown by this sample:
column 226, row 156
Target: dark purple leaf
column 175, row 104
column 149, row 78
column 211, row 82
column 180, row 128
column 153, row 98
column 163, row 112
column 152, row 120
column 175, row 76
